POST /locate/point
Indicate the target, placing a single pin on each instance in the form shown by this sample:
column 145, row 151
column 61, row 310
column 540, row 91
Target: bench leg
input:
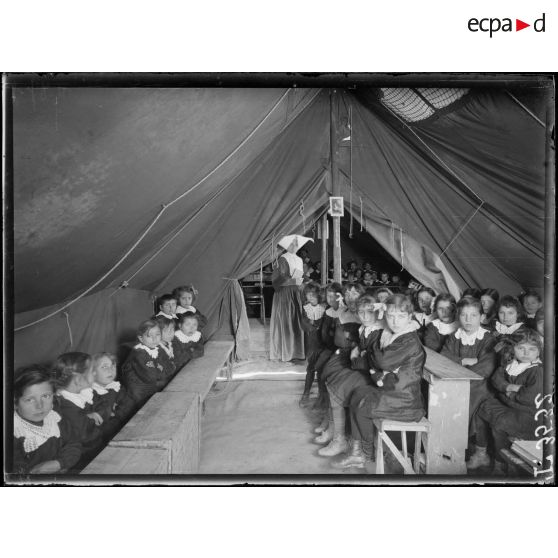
column 379, row 454
column 416, row 456
column 404, row 444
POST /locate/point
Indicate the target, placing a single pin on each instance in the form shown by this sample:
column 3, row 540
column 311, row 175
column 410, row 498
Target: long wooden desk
column 448, row 413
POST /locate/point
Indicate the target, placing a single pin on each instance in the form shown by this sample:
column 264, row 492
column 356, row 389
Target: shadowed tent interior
column 125, row 193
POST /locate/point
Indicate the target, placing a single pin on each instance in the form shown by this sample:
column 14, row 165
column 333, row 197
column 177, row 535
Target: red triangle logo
column 519, row 25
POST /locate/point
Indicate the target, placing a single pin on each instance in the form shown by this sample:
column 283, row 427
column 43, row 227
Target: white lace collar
column 182, row 309
column 443, row 328
column 515, row 368
column 84, row 397
column 181, row 336
column 367, row 330
column 102, row 390
column 169, row 316
column 470, row 339
column 34, row 435
column 153, row 353
column 388, row 337
column 507, row 330
column 314, row 312
column 167, row 347
column 334, row 313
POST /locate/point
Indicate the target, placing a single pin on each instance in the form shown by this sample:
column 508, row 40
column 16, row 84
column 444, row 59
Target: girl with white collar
column 188, row 341
column 507, row 327
column 186, row 296
column 513, row 412
column 44, row 442
column 110, row 398
column 73, row 378
column 472, row 346
column 144, row 371
column 444, row 323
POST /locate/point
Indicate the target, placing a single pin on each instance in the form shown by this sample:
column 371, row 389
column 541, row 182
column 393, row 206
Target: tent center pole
column 335, row 185
column 324, row 263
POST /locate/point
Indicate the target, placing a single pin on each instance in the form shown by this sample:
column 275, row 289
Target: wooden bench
column 199, row 375
column 448, row 413
column 169, row 422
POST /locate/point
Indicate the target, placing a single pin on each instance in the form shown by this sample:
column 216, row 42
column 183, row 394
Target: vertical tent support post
column 324, row 270
column 335, row 185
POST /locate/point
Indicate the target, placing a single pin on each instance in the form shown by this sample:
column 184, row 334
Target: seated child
column 472, row 346
column 346, row 337
column 398, row 352
column 423, row 308
column 489, row 299
column 311, row 323
column 110, row 399
column 167, row 307
column 507, row 327
column 73, row 377
column 186, row 297
column 532, row 303
column 188, row 341
column 367, row 280
column 44, row 442
column 443, row 325
column 145, row 372
column 472, row 292
column 334, row 305
column 343, row 381
column 384, row 279
column 382, row 294
column 167, row 336
column 512, row 413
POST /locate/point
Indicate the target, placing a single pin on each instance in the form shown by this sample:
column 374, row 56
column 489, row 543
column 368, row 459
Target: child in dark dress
column 110, row 399
column 532, row 304
column 443, row 325
column 346, row 338
column 341, row 383
column 44, row 442
column 398, row 353
column 489, row 300
column 313, row 312
column 472, row 346
column 167, row 336
column 167, row 305
column 73, row 377
column 186, row 297
column 423, row 314
column 512, row 412
column 334, row 302
column 507, row 327
column 145, row 372
column 188, row 341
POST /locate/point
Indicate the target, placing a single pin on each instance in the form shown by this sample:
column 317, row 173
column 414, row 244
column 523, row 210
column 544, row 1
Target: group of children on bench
column 367, row 354
column 65, row 414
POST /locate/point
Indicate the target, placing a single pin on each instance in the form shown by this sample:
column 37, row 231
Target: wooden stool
column 421, row 429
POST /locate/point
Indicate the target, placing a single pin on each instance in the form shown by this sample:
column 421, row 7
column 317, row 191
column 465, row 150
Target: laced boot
column 326, row 436
column 338, row 445
column 355, row 458
column 478, row 459
column 323, row 425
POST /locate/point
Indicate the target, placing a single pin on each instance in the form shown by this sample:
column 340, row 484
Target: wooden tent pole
column 325, row 266
column 335, row 185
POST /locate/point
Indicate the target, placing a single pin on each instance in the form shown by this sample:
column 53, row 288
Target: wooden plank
column 198, row 375
column 168, row 421
column 129, row 461
column 445, row 369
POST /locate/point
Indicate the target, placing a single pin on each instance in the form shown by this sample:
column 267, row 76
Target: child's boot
column 326, row 436
column 323, row 425
column 500, row 469
column 355, row 458
column 338, row 445
column 479, row 458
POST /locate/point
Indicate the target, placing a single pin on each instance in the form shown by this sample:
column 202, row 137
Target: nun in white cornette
column 286, row 333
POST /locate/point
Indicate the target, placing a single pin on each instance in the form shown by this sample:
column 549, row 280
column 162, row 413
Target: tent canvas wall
column 121, row 194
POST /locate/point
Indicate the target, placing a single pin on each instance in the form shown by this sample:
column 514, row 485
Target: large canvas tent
column 122, row 193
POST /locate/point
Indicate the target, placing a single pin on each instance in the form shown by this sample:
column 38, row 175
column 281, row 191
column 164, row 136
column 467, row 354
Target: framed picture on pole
column 336, row 208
